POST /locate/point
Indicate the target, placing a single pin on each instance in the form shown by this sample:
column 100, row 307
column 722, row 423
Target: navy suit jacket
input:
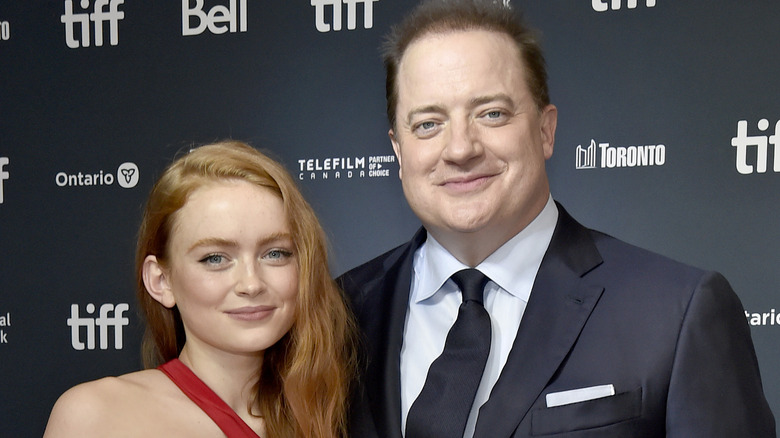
column 672, row 339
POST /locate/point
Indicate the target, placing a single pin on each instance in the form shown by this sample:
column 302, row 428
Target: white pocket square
column 579, row 395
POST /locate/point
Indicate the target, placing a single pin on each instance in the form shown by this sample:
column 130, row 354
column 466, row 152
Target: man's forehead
column 442, row 60
column 456, row 44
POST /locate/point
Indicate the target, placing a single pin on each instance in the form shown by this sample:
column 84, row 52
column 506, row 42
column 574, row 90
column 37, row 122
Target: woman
column 241, row 311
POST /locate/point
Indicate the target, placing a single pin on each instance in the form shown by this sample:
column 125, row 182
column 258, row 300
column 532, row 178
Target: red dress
column 206, row 399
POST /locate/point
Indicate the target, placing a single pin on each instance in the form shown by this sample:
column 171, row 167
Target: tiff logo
column 742, row 141
column 103, row 322
column 99, row 15
column 604, row 5
column 319, row 12
column 218, row 20
column 4, row 175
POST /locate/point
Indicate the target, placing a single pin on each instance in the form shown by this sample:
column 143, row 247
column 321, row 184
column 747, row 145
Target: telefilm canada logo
column 614, row 5
column 4, row 175
column 337, row 168
column 126, row 176
column 83, row 328
column 752, row 154
column 87, row 25
column 604, row 156
column 219, row 19
column 337, row 8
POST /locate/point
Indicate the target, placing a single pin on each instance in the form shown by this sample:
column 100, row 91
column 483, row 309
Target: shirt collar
column 512, row 267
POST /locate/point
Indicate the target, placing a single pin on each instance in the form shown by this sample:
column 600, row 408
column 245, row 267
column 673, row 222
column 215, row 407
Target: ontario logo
column 127, row 176
column 604, row 156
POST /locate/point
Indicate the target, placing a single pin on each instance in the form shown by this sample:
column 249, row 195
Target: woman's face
column 232, row 268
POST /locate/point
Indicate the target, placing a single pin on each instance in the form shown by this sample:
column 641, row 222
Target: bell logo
column 218, row 20
column 4, row 175
column 604, row 5
column 79, row 23
column 103, row 322
column 319, row 12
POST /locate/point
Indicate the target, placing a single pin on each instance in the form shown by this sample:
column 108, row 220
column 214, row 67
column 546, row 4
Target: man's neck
column 472, row 248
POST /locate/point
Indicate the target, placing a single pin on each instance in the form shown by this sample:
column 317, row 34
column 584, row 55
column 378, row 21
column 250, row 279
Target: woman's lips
column 251, row 313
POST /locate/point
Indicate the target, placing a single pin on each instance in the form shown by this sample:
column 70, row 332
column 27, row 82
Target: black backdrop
column 669, row 138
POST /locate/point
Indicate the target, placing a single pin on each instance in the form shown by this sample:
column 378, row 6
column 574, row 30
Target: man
column 651, row 347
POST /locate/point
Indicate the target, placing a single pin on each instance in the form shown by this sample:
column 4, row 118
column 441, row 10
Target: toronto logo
column 604, row 156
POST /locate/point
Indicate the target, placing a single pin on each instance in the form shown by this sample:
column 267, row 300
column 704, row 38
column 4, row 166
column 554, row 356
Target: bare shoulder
column 97, row 407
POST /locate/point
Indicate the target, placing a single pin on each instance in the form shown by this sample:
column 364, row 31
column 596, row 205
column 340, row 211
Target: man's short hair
column 444, row 16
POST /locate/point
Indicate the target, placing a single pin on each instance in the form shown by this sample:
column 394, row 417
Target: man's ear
column 549, row 122
column 156, row 281
column 397, row 150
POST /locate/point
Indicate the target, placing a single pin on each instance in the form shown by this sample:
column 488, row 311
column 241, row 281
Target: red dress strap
column 208, row 400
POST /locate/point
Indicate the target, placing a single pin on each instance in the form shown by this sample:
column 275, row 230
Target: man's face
column 470, row 141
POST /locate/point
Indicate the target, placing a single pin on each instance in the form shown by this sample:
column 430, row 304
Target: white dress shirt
column 434, row 302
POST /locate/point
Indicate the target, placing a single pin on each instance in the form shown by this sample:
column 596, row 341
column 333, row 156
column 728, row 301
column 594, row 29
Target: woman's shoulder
column 92, row 407
column 125, row 389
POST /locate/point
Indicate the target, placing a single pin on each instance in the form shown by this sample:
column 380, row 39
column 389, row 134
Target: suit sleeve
column 715, row 389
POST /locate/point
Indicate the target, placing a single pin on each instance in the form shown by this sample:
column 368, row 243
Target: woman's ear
column 156, row 281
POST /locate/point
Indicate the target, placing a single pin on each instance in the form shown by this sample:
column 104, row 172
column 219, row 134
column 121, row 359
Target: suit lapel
column 560, row 303
column 385, row 336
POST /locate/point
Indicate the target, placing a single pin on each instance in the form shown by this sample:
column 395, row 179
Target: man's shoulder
column 579, row 241
column 611, row 246
column 639, row 265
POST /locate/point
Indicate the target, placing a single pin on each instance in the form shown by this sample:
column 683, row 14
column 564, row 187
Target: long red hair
column 305, row 377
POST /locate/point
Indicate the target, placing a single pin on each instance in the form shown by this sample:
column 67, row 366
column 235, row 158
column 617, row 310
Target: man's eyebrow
column 482, row 100
column 424, row 109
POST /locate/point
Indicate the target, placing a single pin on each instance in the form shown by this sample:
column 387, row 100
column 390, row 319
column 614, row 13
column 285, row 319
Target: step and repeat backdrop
column 669, row 138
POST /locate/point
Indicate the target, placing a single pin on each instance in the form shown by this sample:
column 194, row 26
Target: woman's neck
column 232, row 377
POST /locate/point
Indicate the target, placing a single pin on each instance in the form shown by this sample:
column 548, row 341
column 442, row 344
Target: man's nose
column 463, row 142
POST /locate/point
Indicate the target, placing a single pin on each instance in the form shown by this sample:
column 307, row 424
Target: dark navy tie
column 443, row 406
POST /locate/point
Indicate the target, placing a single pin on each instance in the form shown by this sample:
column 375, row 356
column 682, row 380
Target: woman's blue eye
column 213, row 259
column 278, row 254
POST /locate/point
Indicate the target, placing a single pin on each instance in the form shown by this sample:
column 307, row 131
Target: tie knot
column 471, row 283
